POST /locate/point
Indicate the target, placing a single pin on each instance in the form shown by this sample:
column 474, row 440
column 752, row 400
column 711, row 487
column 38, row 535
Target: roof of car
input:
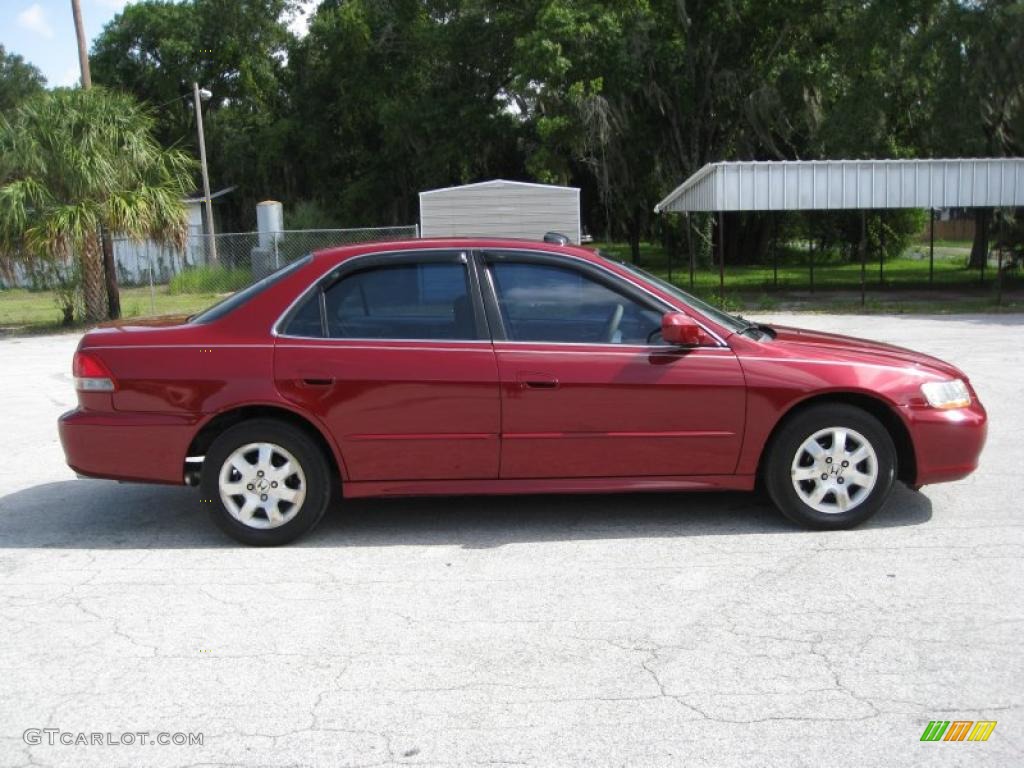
column 341, row 253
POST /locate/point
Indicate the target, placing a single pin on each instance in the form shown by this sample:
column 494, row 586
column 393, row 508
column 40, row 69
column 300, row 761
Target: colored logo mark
column 958, row 730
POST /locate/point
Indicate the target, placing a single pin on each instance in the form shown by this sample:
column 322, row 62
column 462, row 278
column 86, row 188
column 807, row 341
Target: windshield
column 733, row 323
column 235, row 300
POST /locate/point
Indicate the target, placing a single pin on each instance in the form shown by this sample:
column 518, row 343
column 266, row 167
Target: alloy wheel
column 834, row 470
column 262, row 485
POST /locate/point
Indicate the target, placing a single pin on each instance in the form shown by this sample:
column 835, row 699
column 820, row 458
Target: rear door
column 589, row 390
column 392, row 353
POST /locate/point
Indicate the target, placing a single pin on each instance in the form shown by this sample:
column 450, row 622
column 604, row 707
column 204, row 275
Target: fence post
column 881, row 257
column 775, row 252
column 689, row 245
column 721, row 258
column 152, row 291
column 984, row 258
column 999, row 265
column 863, row 257
column 931, row 249
column 672, row 246
column 811, row 251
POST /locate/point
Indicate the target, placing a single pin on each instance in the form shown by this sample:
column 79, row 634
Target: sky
column 43, row 32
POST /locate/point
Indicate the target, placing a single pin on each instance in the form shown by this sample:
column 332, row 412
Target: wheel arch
column 906, row 459
column 218, row 423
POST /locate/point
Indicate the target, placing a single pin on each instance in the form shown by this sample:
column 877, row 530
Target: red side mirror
column 681, row 329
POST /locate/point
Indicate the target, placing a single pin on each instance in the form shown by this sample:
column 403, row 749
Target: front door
column 394, row 357
column 589, row 390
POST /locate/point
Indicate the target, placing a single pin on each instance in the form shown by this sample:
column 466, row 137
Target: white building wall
column 195, row 217
column 501, row 209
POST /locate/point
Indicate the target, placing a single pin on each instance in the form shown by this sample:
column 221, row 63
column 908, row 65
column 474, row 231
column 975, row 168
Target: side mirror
column 681, row 329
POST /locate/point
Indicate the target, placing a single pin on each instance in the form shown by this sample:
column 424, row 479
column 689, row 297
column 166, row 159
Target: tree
column 977, row 105
column 18, row 80
column 583, row 76
column 73, row 162
column 237, row 49
column 639, row 94
column 389, row 99
column 623, row 98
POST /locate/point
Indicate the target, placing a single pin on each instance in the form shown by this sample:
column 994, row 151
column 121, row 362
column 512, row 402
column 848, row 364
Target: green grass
column 19, row 307
column 23, row 311
column 957, row 245
column 830, row 274
column 210, row 280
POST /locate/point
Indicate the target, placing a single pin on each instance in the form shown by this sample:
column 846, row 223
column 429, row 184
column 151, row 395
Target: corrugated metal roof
column 496, row 184
column 213, row 195
column 501, row 208
column 850, row 184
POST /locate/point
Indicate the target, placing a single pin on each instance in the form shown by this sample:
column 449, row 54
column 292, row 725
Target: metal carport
column 809, row 185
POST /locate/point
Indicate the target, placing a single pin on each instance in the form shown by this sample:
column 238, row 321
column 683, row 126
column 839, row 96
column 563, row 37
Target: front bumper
column 141, row 447
column 947, row 444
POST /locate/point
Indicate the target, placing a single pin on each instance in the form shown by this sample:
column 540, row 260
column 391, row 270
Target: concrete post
column 270, row 225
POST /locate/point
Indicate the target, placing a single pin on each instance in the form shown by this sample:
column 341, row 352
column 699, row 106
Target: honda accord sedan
column 476, row 366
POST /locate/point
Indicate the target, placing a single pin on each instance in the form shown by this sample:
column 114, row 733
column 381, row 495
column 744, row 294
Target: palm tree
column 74, row 162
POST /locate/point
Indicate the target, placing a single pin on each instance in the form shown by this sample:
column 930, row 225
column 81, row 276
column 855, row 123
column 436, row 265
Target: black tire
column 311, row 461
column 778, row 467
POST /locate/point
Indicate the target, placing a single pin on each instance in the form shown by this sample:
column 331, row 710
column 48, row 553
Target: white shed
column 501, row 208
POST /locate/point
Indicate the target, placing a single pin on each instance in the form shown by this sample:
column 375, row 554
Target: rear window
column 235, row 300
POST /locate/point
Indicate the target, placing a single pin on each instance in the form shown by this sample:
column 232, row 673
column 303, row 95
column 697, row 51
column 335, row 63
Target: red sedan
column 500, row 366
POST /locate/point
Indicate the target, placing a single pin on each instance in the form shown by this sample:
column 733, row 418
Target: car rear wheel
column 831, row 467
column 266, row 482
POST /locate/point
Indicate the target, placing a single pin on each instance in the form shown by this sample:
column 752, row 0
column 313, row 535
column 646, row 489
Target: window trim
column 375, row 259
column 484, row 302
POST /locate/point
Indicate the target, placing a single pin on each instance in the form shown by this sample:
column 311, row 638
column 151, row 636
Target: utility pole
column 83, row 52
column 106, row 243
column 206, row 176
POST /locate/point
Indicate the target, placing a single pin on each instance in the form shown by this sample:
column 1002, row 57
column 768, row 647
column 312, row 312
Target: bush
column 310, row 214
column 210, row 280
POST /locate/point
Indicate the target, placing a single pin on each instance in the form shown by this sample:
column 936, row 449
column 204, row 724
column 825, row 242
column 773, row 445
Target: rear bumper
column 947, row 444
column 142, row 447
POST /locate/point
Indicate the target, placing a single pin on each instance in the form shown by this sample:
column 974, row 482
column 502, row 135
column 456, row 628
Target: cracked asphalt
column 642, row 630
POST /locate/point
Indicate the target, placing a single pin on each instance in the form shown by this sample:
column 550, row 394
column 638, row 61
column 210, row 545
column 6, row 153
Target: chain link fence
column 160, row 279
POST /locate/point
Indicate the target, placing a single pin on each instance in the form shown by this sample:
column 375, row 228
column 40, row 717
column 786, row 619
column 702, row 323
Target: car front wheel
column 266, row 482
column 831, row 467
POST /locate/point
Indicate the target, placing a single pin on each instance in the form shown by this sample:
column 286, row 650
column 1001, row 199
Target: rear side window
column 307, row 320
column 235, row 300
column 401, row 301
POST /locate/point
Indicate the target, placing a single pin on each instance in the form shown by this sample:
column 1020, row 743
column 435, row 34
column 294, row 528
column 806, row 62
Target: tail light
column 91, row 375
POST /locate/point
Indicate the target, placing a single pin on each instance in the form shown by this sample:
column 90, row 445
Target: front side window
column 548, row 303
column 401, row 301
column 732, row 322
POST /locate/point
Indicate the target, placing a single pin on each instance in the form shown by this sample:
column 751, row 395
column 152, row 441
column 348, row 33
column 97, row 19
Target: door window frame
column 599, row 274
column 385, row 259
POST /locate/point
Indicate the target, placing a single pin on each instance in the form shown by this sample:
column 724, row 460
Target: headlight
column 946, row 394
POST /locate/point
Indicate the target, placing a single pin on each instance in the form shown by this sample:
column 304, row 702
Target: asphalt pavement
column 640, row 630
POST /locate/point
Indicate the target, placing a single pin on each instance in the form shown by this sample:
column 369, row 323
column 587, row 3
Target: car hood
column 835, row 346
